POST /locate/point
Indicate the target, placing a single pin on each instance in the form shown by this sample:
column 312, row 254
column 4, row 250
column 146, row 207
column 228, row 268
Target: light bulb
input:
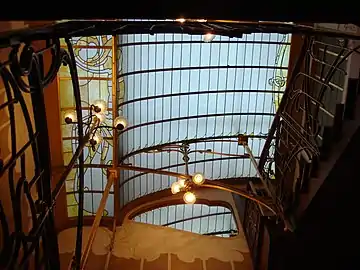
column 209, row 37
column 182, row 183
column 181, row 20
column 120, row 123
column 96, row 139
column 189, row 198
column 100, row 116
column 175, row 188
column 70, row 117
column 100, row 106
column 198, row 178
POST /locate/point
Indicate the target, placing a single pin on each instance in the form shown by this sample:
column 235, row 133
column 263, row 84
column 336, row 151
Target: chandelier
column 95, row 122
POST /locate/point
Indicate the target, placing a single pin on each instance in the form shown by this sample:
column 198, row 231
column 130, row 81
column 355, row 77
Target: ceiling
column 174, row 89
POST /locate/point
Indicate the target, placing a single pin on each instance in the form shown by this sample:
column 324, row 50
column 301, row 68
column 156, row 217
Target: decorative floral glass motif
column 94, row 65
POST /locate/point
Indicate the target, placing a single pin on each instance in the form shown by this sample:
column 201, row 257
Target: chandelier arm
column 155, row 171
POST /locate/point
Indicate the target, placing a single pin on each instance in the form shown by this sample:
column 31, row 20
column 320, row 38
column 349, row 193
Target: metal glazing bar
column 208, row 183
column 221, row 232
column 193, row 117
column 89, row 192
column 87, row 78
column 121, row 75
column 155, row 171
column 188, row 141
column 75, row 138
column 195, row 217
column 181, row 164
column 97, row 219
column 114, row 97
column 198, row 93
column 115, row 113
column 88, row 47
column 201, row 42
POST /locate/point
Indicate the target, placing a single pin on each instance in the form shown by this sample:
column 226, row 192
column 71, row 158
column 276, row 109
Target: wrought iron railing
column 24, row 73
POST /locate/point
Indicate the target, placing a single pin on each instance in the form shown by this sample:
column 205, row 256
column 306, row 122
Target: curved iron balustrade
column 296, row 135
column 23, row 74
column 19, row 246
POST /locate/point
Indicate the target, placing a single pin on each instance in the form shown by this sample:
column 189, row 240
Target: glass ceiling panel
column 94, row 65
column 178, row 88
column 196, row 218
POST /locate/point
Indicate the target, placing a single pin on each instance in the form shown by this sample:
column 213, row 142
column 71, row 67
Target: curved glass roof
column 196, row 218
column 178, row 88
column 174, row 89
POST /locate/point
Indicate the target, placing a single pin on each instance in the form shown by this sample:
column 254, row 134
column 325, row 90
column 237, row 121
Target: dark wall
column 328, row 235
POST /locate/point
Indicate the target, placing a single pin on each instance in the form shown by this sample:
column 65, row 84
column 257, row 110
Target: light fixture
column 182, row 183
column 208, row 37
column 100, row 106
column 201, row 20
column 175, row 188
column 96, row 139
column 100, row 116
column 70, row 116
column 198, row 178
column 189, row 197
column 181, row 20
column 95, row 122
column 120, row 123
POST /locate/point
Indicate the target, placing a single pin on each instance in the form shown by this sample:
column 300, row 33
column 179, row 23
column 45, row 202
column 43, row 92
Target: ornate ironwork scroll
column 298, row 130
column 25, row 77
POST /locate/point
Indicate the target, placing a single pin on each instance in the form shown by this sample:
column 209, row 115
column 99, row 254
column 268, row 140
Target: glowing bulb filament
column 189, row 198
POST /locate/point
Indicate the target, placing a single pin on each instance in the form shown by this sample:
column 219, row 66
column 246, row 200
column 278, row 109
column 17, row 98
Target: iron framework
column 24, row 73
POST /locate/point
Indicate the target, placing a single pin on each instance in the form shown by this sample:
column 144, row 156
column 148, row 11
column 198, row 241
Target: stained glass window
column 196, row 218
column 95, row 70
column 180, row 88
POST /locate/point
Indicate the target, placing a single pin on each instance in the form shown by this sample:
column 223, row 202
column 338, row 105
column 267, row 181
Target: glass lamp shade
column 175, row 188
column 181, row 20
column 120, row 123
column 182, row 183
column 198, row 178
column 100, row 105
column 189, row 198
column 70, row 117
column 96, row 139
column 101, row 117
column 208, row 37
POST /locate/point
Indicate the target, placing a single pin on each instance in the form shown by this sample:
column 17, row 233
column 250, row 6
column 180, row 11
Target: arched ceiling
column 179, row 89
column 174, row 89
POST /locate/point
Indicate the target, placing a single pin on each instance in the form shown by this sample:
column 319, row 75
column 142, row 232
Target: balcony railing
column 307, row 122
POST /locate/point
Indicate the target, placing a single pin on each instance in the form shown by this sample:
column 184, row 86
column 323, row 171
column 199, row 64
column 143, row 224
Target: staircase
column 338, row 118
column 314, row 149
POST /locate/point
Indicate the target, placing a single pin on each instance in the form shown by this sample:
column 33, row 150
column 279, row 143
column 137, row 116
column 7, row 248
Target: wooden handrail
column 97, row 219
